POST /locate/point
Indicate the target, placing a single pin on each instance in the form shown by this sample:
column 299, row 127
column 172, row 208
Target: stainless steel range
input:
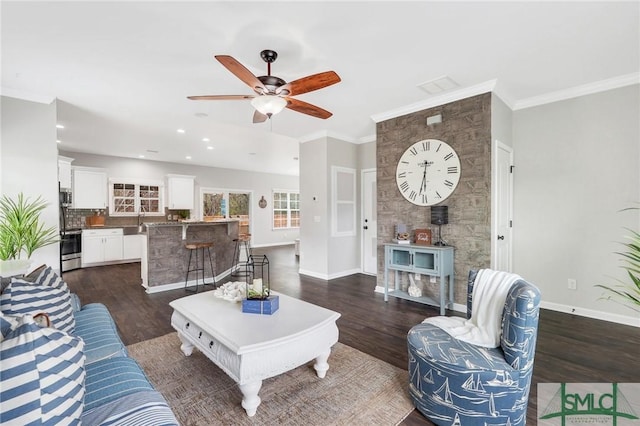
column 70, row 249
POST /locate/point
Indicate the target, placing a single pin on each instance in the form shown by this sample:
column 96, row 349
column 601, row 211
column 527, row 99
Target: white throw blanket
column 484, row 327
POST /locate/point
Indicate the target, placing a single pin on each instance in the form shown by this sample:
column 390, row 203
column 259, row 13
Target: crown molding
column 435, row 101
column 574, row 92
column 26, row 96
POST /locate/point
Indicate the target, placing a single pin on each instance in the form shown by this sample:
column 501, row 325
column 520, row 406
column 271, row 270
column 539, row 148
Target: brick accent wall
column 466, row 126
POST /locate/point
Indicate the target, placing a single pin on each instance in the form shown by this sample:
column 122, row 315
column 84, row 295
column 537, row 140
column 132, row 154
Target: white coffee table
column 253, row 347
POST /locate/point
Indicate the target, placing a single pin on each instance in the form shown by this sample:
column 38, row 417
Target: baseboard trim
column 328, row 277
column 178, row 285
column 590, row 313
column 286, row 243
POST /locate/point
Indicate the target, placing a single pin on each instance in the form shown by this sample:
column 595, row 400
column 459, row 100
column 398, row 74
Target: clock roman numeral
column 404, row 186
column 404, row 162
column 424, row 198
column 453, row 169
column 426, row 145
column 402, row 175
column 438, row 195
column 449, row 156
column 413, row 150
column 439, row 146
column 413, row 195
column 448, row 184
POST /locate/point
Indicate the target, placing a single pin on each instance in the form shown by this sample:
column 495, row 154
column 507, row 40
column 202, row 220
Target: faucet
column 140, row 217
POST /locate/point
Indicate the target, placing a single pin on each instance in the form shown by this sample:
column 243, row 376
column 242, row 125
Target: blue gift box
column 256, row 306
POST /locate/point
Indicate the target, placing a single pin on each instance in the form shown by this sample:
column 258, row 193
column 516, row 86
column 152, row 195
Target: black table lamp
column 439, row 216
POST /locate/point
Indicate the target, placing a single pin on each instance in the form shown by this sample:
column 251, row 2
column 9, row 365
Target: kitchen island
column 164, row 257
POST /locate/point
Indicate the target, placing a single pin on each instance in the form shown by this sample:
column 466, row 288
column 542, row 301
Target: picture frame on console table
column 422, row 237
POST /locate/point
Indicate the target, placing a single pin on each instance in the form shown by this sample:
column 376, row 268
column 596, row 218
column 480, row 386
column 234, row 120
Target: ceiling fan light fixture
column 269, row 104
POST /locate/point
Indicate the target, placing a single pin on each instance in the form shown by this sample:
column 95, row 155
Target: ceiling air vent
column 438, row 85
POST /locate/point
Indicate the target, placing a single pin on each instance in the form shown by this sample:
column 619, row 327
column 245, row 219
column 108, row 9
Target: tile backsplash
column 76, row 218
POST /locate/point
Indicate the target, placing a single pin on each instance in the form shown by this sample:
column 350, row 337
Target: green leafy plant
column 628, row 292
column 21, row 230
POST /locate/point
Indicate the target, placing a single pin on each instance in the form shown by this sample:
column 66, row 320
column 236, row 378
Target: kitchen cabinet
column 180, row 192
column 89, row 188
column 132, row 247
column 435, row 261
column 101, row 245
column 64, row 172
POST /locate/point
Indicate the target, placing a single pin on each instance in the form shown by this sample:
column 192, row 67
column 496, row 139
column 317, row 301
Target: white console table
column 425, row 260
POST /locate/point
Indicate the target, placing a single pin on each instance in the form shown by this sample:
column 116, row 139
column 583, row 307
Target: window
column 286, row 209
column 226, row 204
column 129, row 198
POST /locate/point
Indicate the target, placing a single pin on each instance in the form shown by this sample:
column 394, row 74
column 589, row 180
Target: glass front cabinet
column 433, row 261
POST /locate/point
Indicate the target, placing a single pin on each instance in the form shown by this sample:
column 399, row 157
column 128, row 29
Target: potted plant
column 22, row 232
column 628, row 292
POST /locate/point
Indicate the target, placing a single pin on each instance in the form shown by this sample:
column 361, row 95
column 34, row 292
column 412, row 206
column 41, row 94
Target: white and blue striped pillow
column 49, row 278
column 23, row 297
column 42, row 374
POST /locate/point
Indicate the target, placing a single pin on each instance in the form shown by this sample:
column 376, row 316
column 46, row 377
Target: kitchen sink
column 133, row 230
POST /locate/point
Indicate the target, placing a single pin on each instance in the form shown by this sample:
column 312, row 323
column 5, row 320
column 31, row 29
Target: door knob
column 365, row 227
column 501, row 237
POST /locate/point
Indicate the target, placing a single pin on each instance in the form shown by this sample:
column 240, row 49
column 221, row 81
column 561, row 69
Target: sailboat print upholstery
column 453, row 382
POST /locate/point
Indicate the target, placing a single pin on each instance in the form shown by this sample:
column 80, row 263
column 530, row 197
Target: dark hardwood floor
column 570, row 349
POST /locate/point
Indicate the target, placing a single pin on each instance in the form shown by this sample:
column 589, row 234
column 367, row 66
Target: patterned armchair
column 453, row 382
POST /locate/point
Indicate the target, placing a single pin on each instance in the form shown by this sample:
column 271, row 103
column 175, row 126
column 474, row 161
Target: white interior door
column 369, row 223
column 503, row 207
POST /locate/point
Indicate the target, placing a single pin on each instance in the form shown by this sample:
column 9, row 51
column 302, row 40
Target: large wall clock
column 428, row 172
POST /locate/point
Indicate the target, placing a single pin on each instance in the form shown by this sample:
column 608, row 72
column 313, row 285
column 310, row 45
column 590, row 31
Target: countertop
column 195, row 222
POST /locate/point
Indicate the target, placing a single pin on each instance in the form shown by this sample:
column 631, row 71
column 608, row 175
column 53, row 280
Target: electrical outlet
column 418, row 277
column 572, row 284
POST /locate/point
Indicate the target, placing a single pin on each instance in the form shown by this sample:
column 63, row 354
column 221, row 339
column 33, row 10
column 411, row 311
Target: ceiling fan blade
column 220, row 97
column 309, row 83
column 259, row 117
column 242, row 73
column 307, row 108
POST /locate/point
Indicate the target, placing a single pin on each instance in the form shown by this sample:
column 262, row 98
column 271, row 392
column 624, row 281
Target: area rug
column 357, row 390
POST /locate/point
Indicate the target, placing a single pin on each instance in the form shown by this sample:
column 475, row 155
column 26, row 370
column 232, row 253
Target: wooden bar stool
column 199, row 266
column 241, row 255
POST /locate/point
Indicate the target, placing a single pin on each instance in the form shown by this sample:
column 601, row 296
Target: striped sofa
column 76, row 371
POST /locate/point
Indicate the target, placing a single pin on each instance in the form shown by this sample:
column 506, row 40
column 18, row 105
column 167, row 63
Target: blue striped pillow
column 22, row 297
column 42, row 375
column 49, row 278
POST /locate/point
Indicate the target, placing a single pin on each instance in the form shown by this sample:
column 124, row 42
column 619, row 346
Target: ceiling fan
column 273, row 94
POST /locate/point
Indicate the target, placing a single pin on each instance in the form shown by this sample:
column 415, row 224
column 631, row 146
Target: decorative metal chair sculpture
column 453, row 382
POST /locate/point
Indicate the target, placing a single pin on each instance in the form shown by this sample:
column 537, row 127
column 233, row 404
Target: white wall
column 314, row 209
column 262, row 232
column 344, row 251
column 501, row 121
column 577, row 165
column 321, row 254
column 29, row 162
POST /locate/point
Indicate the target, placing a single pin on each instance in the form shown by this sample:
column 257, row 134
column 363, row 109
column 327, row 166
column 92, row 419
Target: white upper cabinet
column 180, row 192
column 64, row 172
column 89, row 188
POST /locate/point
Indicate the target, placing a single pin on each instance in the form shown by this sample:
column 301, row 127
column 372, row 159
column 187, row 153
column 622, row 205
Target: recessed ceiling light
column 180, row 130
column 188, row 157
column 59, row 126
column 201, row 114
column 58, row 141
column 205, row 139
column 140, row 156
column 295, row 158
column 209, row 147
column 153, row 151
column 252, row 153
